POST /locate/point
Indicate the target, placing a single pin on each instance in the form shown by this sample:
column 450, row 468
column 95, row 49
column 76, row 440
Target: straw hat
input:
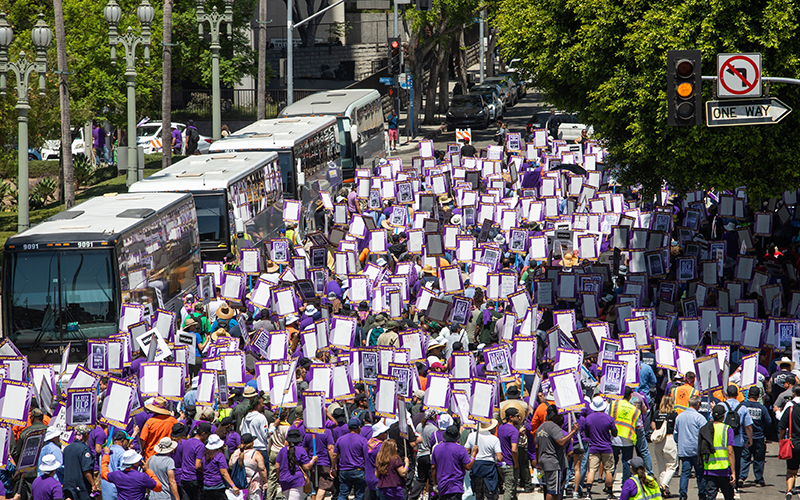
column 159, row 406
column 520, row 406
column 456, row 219
column 250, row 392
column 225, row 312
column 189, row 322
column 272, row 267
column 445, row 198
column 429, row 269
column 488, row 427
column 786, row 361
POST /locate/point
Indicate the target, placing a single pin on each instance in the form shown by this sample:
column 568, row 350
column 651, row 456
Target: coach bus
column 359, row 122
column 64, row 280
column 308, row 150
column 238, row 197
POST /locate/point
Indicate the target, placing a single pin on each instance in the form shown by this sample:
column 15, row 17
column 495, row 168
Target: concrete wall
column 308, row 61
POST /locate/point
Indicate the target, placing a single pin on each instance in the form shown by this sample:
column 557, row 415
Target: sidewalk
column 423, row 132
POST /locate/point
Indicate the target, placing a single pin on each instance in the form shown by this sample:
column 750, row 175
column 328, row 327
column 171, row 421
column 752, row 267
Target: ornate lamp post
column 22, row 69
column 215, row 19
column 130, row 42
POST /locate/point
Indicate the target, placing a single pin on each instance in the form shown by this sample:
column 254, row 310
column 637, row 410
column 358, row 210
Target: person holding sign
column 716, row 448
column 552, row 458
column 289, row 462
column 349, row 460
column 449, row 464
column 390, row 470
column 485, row 449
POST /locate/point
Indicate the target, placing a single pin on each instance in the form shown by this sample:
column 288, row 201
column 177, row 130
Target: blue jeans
column 644, row 451
column 687, row 464
column 627, row 454
column 352, row 479
column 756, row 454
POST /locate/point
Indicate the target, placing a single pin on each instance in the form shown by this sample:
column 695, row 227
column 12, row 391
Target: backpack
column 732, row 418
column 239, row 475
column 192, row 136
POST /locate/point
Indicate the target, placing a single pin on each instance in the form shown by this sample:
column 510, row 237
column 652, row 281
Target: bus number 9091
column 30, row 246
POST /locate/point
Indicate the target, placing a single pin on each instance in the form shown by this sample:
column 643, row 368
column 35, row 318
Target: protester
column 349, row 461
column 600, row 428
column 626, row 418
column 686, row 430
column 215, row 471
column 449, row 465
column 789, row 428
column 666, row 450
column 292, row 462
column 640, row 485
column 252, row 461
column 130, row 482
column 78, row 466
column 551, row 454
column 390, row 470
column 163, row 467
column 485, row 450
column 715, row 446
column 46, row 486
column 756, row 452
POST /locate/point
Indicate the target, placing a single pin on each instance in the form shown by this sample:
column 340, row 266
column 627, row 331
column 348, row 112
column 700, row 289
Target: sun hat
column 159, row 406
column 130, row 457
column 250, row 392
column 225, row 312
column 456, row 219
column 550, row 397
column 451, row 433
column 445, row 421
column 730, row 226
column 598, row 404
column 291, row 319
column 379, row 428
column 311, row 310
column 488, row 426
column 429, row 269
column 189, row 322
column 294, row 436
column 52, row 433
column 214, row 442
column 165, row 446
column 178, row 430
column 500, row 239
column 786, row 361
column 49, row 463
column 419, row 394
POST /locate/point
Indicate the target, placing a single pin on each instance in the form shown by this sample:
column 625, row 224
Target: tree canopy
column 607, row 60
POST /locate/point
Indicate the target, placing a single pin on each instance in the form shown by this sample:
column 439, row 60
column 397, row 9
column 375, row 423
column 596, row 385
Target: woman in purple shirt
column 289, row 461
column 215, row 471
column 390, row 470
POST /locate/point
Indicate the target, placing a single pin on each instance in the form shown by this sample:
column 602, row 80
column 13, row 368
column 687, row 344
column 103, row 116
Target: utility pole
column 261, row 108
column 63, row 94
column 166, row 87
column 480, row 45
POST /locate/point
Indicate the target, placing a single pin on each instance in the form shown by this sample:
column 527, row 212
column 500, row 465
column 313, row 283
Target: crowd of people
column 557, row 418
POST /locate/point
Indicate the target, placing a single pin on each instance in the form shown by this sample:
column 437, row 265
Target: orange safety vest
column 681, row 395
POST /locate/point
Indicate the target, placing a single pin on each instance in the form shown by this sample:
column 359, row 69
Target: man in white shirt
column 487, row 452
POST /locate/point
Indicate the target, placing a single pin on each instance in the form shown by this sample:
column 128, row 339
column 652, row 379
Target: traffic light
column 684, row 88
column 394, row 56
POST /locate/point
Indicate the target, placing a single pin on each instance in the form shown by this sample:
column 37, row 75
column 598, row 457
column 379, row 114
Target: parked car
column 492, row 97
column 506, row 87
column 569, row 128
column 147, row 133
column 51, row 150
column 468, row 110
column 522, row 87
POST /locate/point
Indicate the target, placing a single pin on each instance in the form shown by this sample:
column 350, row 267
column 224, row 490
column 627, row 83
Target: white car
column 51, row 150
column 148, row 135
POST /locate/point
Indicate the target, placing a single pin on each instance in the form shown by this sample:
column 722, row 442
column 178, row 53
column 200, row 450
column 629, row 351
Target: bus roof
column 331, row 103
column 272, row 135
column 102, row 218
column 211, row 172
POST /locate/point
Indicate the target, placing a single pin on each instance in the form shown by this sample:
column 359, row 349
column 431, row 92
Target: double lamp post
column 22, row 69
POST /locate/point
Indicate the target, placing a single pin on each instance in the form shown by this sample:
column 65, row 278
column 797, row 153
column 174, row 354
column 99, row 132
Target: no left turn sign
column 739, row 75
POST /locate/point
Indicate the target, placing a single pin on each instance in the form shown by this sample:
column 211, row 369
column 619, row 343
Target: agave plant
column 8, row 196
column 46, row 188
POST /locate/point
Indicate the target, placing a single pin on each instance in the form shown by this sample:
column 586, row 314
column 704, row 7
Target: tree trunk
column 430, row 91
column 444, row 82
column 261, row 85
column 461, row 72
column 166, row 88
column 63, row 94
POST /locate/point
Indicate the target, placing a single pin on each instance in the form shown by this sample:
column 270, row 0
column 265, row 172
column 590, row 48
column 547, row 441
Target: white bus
column 359, row 121
column 238, row 196
column 64, row 280
column 308, row 154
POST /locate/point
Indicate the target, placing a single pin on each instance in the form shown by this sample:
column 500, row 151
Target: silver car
column 491, row 96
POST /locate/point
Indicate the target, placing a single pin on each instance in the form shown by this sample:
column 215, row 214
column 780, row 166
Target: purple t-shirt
column 211, row 468
column 629, row 490
column 286, row 479
column 352, row 451
column 97, row 436
column 366, row 431
column 352, row 199
column 233, row 440
column 597, row 428
column 46, row 488
column 323, row 440
column 726, row 471
column 369, row 470
column 176, row 134
column 131, row 484
column 340, row 431
column 392, row 478
column 450, row 460
column 193, row 449
column 508, row 435
column 99, row 134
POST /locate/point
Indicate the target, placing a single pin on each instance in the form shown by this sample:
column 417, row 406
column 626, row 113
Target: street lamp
column 215, row 19
column 22, row 69
column 129, row 42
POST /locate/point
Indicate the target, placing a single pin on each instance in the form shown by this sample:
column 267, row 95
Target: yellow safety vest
column 625, row 417
column 224, row 412
column 291, row 235
column 645, row 493
column 681, row 395
column 719, row 459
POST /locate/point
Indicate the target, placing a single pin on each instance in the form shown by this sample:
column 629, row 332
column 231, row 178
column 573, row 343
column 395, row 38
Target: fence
column 237, row 104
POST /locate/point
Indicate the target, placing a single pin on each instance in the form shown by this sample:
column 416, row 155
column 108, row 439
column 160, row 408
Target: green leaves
column 607, row 59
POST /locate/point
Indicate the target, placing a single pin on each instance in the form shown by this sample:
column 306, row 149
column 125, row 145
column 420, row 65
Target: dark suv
column 467, row 109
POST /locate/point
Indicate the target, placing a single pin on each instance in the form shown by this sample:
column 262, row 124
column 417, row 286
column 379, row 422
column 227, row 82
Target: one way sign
column 745, row 112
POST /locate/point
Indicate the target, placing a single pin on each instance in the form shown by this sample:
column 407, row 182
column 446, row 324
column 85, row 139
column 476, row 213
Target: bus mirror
column 354, row 133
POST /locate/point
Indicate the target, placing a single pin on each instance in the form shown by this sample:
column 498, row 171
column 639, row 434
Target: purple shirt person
column 288, row 478
column 177, row 140
column 451, row 462
column 351, row 448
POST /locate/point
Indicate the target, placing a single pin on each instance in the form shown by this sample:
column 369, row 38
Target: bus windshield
column 60, row 296
column 212, row 218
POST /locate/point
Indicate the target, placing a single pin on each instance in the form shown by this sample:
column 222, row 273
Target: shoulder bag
column 786, row 449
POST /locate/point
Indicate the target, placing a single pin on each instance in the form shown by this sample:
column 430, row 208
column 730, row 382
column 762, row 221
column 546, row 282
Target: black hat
column 120, row 435
column 229, row 257
column 294, row 436
column 363, row 306
column 203, row 428
column 178, row 430
column 247, row 438
column 226, row 421
column 512, row 392
column 511, row 411
column 360, row 397
column 304, row 363
column 451, row 433
column 338, row 415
